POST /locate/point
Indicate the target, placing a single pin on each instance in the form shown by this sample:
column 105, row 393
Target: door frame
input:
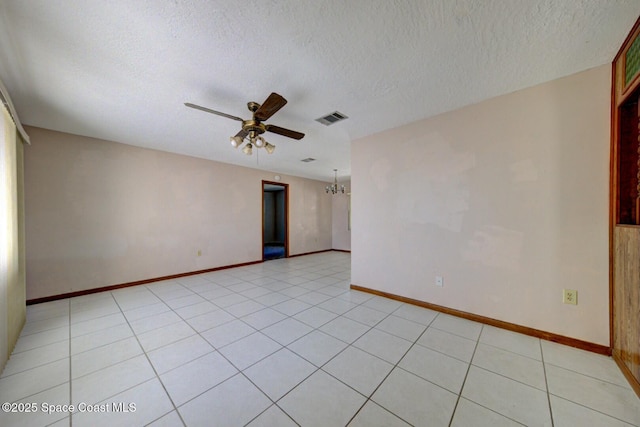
column 286, row 216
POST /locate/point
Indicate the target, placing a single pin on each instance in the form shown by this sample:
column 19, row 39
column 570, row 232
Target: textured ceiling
column 121, row 69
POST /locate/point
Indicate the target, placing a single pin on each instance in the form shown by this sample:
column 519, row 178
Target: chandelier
column 334, row 188
column 255, row 140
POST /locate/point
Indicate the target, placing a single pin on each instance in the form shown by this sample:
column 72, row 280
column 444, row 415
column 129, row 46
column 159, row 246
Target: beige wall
column 506, row 199
column 341, row 235
column 100, row 213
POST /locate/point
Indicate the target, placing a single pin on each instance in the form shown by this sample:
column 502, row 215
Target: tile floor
column 286, row 343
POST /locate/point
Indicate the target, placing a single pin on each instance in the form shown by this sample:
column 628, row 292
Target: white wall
column 100, row 213
column 507, row 199
column 341, row 235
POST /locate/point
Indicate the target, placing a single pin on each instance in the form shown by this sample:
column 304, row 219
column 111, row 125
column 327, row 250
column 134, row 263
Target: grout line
column 175, row 408
column 368, row 398
column 546, row 382
column 455, row 408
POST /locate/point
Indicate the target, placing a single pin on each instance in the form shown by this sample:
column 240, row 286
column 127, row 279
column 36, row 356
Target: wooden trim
column 622, row 91
column 633, row 381
column 342, row 250
column 286, row 216
column 549, row 336
column 136, row 283
column 311, row 253
column 613, row 196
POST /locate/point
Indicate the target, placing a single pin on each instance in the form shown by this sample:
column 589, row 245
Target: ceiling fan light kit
column 253, row 129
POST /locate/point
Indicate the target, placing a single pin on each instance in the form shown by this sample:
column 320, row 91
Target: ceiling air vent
column 332, row 118
column 308, row 159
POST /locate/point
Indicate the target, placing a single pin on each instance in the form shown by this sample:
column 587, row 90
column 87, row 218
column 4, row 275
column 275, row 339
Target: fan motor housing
column 253, row 126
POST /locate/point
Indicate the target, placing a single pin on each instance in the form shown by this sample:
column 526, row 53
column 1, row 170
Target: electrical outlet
column 570, row 296
column 199, row 252
column 439, row 281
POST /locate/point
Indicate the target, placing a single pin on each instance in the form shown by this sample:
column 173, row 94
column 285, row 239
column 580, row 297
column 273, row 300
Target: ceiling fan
column 254, row 127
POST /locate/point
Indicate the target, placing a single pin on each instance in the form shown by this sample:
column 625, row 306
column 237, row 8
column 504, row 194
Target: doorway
column 275, row 220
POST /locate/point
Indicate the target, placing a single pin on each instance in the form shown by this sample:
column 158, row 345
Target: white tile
column 191, row 281
column 40, row 339
column 272, row 299
column 436, row 367
column 244, row 308
column 178, row 353
column 345, row 329
column 313, row 297
column 471, row 414
column 291, row 307
column 368, row 316
column 583, row 362
column 36, row 380
column 229, row 300
column 358, row 369
column 25, row 360
column 287, row 331
column 138, row 405
column 157, row 338
column 103, row 356
column 457, row 326
column 315, row 316
column 263, row 318
column 172, row 419
column 154, row 322
column 47, row 310
column 510, row 398
column 99, row 311
column 402, row 328
column 196, row 309
column 100, row 338
column 356, row 297
column 213, row 294
column 235, row 402
column 93, row 325
column 373, row 415
column 511, row 365
column 415, row 400
column 610, row 399
column 272, row 417
column 278, row 373
column 255, row 292
column 115, row 379
column 227, row 333
column 337, row 305
column 386, row 305
column 210, row 320
column 421, row 315
column 32, row 327
column 185, row 301
column 321, row 401
column 449, row 344
column 43, row 416
column 511, row 341
column 568, row 414
column 384, row 345
column 193, row 378
column 247, row 351
column 317, row 347
column 332, row 291
column 146, row 311
column 135, row 300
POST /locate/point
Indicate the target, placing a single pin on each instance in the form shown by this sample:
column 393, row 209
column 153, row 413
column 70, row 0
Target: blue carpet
column 273, row 252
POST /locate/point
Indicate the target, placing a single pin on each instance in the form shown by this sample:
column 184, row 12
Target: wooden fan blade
column 270, row 106
column 208, row 110
column 284, row 132
column 243, row 133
